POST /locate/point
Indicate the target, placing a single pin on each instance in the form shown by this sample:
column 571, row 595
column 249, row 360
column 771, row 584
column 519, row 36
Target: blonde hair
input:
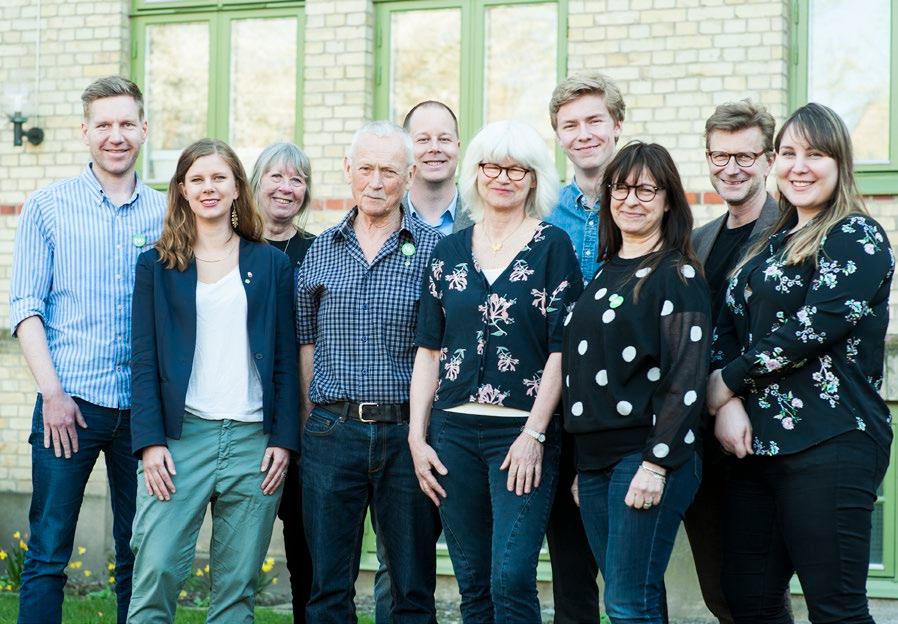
column 175, row 245
column 823, row 130
column 519, row 142
column 592, row 83
column 286, row 155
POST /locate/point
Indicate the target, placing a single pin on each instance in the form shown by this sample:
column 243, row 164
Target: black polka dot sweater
column 635, row 369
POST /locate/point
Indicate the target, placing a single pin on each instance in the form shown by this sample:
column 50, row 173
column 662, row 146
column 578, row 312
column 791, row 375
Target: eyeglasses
column 278, row 179
column 743, row 159
column 644, row 192
column 515, row 174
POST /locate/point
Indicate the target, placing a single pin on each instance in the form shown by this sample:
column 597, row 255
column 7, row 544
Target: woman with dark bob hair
column 635, row 362
column 214, row 371
column 799, row 364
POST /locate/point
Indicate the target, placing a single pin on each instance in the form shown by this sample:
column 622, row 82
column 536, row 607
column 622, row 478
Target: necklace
column 227, row 255
column 497, row 246
column 289, row 240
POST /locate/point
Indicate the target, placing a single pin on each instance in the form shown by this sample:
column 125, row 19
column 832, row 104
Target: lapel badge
column 139, row 240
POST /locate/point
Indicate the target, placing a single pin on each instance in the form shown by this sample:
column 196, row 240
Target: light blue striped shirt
column 73, row 266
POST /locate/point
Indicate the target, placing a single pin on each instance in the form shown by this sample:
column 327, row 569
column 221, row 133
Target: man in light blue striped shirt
column 70, row 307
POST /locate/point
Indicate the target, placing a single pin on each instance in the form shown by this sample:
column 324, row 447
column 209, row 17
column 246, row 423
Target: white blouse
column 224, row 382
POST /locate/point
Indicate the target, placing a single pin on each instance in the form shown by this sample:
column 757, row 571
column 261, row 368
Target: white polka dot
column 690, row 437
column 567, row 381
column 629, row 354
column 624, row 408
column 602, row 377
column 661, row 450
column 690, row 397
column 567, row 319
column 667, row 308
column 581, row 348
column 577, row 408
column 608, row 316
column 695, row 333
column 654, row 374
column 688, row 271
column 601, row 292
column 643, row 272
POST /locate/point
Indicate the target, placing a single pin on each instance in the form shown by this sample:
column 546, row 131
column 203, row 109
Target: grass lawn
column 78, row 610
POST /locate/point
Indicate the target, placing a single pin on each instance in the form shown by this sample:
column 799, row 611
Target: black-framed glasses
column 743, row 159
column 644, row 192
column 492, row 170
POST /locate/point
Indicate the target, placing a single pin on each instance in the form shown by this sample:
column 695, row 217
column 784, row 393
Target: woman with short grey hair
column 486, row 445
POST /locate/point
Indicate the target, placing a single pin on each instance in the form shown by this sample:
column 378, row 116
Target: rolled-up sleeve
column 32, row 265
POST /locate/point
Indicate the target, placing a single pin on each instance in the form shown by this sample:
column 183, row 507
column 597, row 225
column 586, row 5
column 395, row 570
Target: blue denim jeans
column 347, row 465
column 58, row 490
column 494, row 536
column 633, row 546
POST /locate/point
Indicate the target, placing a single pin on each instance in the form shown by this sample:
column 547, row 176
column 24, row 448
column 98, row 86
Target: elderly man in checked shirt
column 70, row 307
column 357, row 302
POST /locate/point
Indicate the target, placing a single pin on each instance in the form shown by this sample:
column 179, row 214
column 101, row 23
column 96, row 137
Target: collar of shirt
column 89, row 178
column 447, row 217
column 581, row 198
column 408, row 225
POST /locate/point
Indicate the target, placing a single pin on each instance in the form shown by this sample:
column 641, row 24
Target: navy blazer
column 163, row 335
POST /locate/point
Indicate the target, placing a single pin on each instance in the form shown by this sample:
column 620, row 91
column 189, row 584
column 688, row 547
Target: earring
column 234, row 218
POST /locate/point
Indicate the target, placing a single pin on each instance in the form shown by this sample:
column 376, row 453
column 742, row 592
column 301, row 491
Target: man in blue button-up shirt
column 586, row 112
column 70, row 307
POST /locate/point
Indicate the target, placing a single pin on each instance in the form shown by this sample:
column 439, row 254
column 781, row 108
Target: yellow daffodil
column 81, row 550
column 111, row 580
column 3, row 555
column 17, row 535
column 182, row 595
column 74, row 565
column 110, row 566
column 9, row 588
column 23, row 545
column 206, row 569
column 88, row 573
column 274, row 581
column 199, row 571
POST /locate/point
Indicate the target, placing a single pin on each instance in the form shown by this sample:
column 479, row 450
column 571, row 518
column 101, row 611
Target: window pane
column 520, row 64
column 425, row 59
column 848, row 69
column 877, row 537
column 176, row 93
column 263, row 85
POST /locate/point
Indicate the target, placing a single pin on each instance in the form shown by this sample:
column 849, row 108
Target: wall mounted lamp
column 34, row 134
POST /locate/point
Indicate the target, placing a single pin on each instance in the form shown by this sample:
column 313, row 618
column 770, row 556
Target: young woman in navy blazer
column 214, row 367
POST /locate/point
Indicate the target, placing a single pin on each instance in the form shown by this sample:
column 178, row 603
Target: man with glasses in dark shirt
column 739, row 150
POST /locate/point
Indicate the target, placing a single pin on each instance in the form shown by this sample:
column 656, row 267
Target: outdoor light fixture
column 34, row 134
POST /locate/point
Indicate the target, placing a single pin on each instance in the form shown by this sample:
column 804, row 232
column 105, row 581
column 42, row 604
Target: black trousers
column 299, row 563
column 807, row 513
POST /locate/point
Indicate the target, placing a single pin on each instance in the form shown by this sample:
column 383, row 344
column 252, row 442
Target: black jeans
column 299, row 563
column 807, row 513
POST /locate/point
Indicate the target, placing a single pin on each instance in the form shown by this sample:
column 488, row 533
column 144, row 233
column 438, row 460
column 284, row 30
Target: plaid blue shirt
column 362, row 318
column 73, row 266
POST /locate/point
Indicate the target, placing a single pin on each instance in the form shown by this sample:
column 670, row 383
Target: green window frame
column 873, row 178
column 472, row 51
column 219, row 18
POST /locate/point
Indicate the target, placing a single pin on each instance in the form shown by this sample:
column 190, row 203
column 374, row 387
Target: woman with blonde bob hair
column 214, row 376
column 799, row 363
column 492, row 308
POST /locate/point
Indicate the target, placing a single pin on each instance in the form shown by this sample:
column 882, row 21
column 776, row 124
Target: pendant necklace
column 497, row 246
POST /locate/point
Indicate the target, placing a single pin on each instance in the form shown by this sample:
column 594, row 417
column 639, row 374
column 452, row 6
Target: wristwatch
column 536, row 435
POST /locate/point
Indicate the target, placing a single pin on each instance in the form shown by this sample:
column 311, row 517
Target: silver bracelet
column 655, row 473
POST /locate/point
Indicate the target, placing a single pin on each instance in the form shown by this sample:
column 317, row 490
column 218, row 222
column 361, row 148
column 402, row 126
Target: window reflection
column 848, row 70
column 176, row 93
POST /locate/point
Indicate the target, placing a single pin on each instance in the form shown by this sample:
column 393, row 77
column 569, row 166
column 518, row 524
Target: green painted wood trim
column 873, row 179
column 151, row 6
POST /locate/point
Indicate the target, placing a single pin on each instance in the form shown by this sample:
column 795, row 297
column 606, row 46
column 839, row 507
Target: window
column 231, row 74
column 844, row 57
column 487, row 59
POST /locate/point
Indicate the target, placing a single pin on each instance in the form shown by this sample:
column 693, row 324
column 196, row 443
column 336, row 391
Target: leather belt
column 370, row 412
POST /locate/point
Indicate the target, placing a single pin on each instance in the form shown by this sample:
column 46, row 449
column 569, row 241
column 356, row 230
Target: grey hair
column 384, row 129
column 521, row 143
column 286, row 154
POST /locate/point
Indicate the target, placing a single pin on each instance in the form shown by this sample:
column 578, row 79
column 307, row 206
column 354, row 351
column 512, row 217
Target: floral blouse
column 804, row 344
column 494, row 340
column 635, row 368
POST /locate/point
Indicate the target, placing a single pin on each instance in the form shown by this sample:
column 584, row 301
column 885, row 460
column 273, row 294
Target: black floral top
column 494, row 340
column 635, row 370
column 804, row 345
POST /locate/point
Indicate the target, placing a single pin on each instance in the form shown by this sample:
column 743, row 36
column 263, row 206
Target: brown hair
column 111, row 86
column 175, row 245
column 676, row 224
column 823, row 130
column 736, row 116
column 579, row 85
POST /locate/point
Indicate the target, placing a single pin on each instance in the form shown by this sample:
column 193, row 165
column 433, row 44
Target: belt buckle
column 362, row 411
